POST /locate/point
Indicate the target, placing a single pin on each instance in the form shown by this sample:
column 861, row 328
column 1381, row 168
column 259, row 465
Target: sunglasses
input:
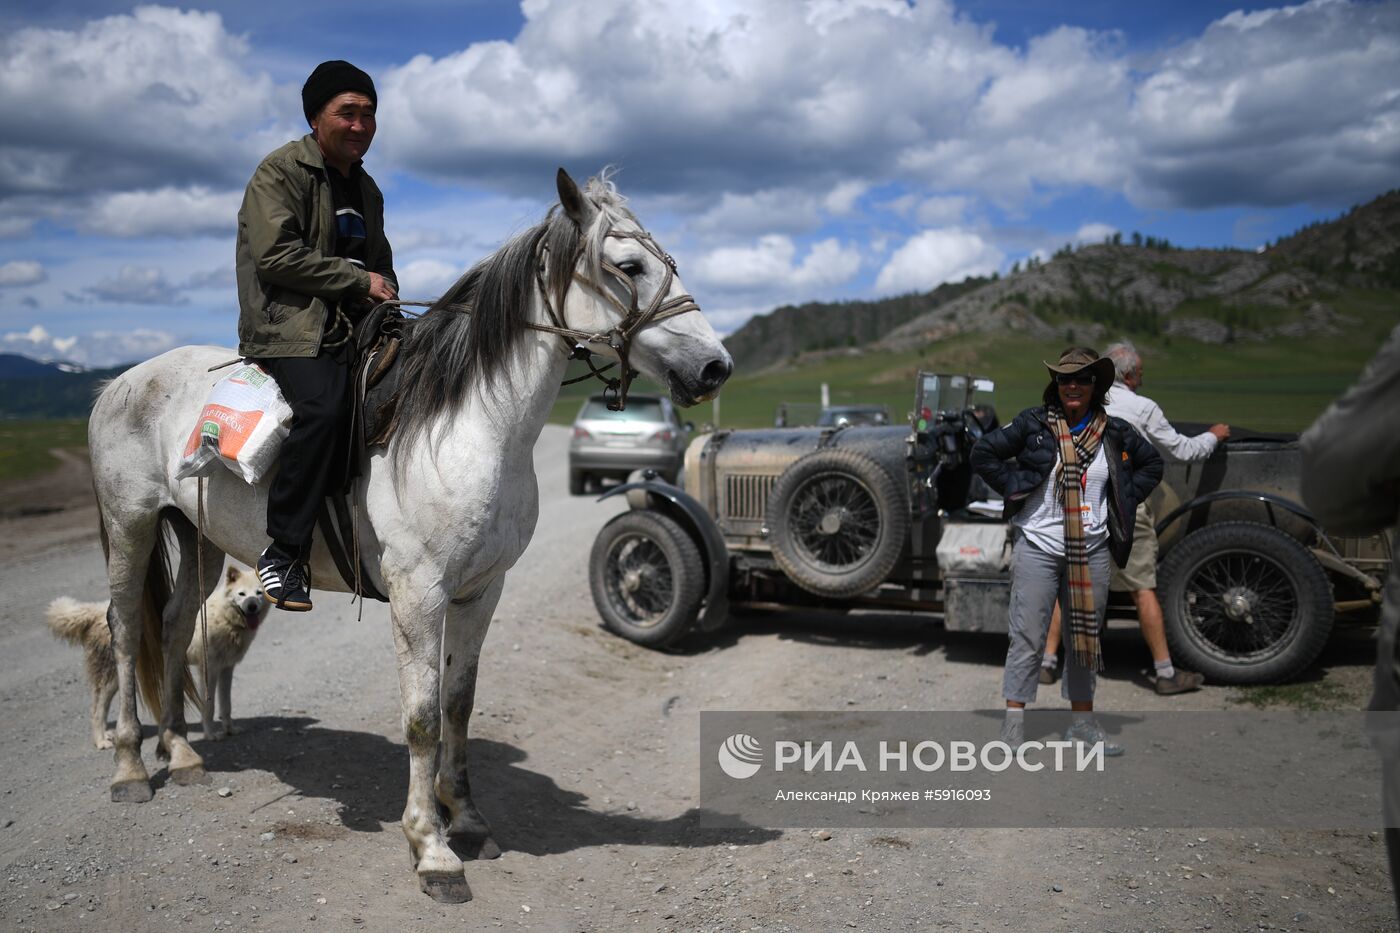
column 1075, row 379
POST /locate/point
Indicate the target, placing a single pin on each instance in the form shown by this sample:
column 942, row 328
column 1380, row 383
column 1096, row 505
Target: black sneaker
column 285, row 582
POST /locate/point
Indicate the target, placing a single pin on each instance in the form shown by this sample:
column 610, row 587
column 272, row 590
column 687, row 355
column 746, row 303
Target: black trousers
column 312, row 463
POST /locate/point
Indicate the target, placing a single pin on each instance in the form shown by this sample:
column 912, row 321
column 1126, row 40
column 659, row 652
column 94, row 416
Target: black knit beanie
column 332, row 78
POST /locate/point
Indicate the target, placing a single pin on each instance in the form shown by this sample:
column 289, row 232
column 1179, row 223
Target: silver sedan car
column 611, row 444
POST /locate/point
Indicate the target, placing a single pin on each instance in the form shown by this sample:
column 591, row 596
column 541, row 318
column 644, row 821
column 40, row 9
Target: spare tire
column 837, row 522
column 1245, row 603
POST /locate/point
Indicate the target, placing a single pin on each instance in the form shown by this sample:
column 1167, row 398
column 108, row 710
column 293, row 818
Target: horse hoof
column 445, row 888
column 187, row 776
column 132, row 792
column 474, row 847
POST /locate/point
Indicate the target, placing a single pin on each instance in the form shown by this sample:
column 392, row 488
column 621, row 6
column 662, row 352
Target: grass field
column 25, row 445
column 1278, row 385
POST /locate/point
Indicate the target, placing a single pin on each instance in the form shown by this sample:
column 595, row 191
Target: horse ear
column 578, row 208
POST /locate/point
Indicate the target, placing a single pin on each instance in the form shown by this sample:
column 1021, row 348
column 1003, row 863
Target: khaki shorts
column 1141, row 572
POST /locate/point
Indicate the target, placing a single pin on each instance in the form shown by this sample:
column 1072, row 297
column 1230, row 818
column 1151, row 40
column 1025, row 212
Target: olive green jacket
column 289, row 278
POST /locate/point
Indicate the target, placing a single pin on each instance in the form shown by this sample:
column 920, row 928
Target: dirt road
column 585, row 756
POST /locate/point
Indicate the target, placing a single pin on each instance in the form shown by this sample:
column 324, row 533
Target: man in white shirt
column 1140, row 575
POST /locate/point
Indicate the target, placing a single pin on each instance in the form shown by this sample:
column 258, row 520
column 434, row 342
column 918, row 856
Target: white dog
column 234, row 612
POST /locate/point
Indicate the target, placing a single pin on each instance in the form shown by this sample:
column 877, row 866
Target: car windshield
column 638, row 409
column 853, row 414
column 949, row 392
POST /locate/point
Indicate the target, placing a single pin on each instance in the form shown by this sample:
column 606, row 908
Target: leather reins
column 618, row 337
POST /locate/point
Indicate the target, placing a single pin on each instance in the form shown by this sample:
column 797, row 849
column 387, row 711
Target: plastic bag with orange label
column 244, row 421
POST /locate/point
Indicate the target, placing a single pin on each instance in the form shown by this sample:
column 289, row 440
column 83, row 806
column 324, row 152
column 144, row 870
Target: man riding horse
column 312, row 259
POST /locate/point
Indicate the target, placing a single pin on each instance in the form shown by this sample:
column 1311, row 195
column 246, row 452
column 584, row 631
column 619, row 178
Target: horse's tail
column 155, row 595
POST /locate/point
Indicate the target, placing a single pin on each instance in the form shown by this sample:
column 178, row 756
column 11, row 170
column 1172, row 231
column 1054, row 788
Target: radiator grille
column 746, row 497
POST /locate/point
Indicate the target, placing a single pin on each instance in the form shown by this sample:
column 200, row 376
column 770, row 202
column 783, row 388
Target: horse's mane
column 445, row 351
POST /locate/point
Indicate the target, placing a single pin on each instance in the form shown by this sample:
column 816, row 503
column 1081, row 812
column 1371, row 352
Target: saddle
column 374, row 350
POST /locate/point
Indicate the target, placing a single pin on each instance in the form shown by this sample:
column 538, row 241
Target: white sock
column 1048, row 662
column 1165, row 670
column 1015, row 715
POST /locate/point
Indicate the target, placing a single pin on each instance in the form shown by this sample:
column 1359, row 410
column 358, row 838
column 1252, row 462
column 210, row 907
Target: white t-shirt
column 1042, row 518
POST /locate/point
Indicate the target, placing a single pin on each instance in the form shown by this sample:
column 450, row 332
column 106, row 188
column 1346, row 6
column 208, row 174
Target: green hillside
column 1276, row 385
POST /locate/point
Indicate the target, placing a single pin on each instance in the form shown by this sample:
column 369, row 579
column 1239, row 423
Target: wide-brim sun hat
column 1076, row 359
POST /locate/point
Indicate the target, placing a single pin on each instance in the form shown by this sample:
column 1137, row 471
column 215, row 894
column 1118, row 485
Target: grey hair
column 1126, row 359
column 469, row 333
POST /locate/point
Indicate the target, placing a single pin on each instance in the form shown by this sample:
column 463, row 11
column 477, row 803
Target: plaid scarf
column 1077, row 451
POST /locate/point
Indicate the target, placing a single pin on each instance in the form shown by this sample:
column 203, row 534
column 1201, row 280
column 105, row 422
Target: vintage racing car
column 892, row 517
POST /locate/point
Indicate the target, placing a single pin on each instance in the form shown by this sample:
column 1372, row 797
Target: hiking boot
column 1048, row 675
column 285, row 581
column 1180, row 682
column 1090, row 732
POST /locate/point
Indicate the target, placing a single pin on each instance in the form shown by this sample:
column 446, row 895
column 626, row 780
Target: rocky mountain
column 1143, row 286
column 790, row 331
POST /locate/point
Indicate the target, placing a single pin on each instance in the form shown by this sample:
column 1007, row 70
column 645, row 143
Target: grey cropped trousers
column 1038, row 578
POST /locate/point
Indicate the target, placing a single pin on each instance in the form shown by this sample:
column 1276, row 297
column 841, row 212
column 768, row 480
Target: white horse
column 445, row 511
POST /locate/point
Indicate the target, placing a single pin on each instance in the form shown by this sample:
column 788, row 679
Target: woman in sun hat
column 1071, row 477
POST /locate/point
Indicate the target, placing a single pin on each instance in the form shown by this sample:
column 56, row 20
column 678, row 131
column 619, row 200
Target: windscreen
column 637, row 410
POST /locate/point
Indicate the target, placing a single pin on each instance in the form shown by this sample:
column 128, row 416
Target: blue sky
column 783, row 151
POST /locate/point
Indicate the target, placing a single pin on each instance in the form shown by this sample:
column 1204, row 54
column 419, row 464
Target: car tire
column 578, row 483
column 647, row 578
column 837, row 522
column 1245, row 603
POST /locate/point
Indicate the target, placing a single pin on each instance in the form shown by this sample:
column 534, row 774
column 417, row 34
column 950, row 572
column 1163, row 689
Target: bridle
column 619, row 337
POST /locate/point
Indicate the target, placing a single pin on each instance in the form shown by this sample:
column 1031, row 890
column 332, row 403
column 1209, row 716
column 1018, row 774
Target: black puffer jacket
column 1017, row 458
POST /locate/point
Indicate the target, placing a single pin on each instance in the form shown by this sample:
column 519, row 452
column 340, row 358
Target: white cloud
column 771, row 264
column 726, row 319
column 842, row 199
column 942, row 211
column 772, row 210
column 426, row 279
column 218, row 277
column 936, row 256
column 157, row 97
column 36, row 335
column 704, row 100
column 138, row 285
column 165, row 212
column 753, row 98
column 1093, row 233
column 94, row 349
column 1273, row 107
column 21, row 273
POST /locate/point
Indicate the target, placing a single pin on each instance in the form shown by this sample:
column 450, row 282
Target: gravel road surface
column 585, row 761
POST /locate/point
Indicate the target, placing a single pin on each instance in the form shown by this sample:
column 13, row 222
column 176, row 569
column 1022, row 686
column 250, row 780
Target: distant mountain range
column 1125, row 286
column 14, row 366
column 35, row 389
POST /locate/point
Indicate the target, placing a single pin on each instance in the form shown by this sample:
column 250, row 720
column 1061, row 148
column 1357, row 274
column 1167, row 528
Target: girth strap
column 336, row 541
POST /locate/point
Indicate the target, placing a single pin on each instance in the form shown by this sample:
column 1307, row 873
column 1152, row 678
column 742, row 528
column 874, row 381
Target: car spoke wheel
column 647, row 578
column 1245, row 603
column 837, row 522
